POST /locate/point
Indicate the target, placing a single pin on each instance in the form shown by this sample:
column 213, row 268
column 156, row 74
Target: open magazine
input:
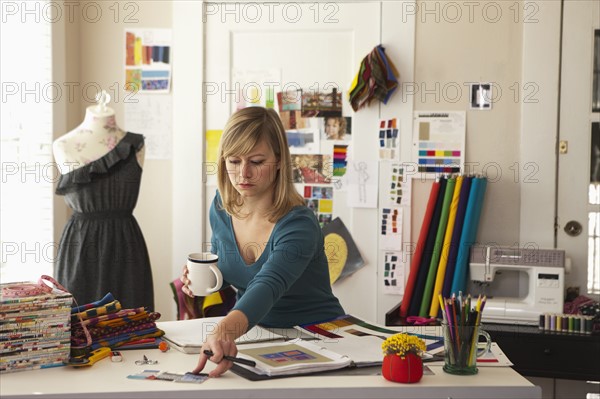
column 291, row 358
column 188, row 335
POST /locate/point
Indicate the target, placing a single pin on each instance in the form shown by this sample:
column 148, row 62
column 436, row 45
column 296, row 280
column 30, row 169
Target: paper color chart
column 393, row 273
column 397, row 184
column 339, row 160
column 388, row 139
column 439, row 141
column 391, row 228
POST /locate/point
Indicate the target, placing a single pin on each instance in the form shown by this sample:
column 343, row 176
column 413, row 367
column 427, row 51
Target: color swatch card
column 393, row 273
column 394, row 184
column 390, row 236
column 439, row 141
column 389, row 140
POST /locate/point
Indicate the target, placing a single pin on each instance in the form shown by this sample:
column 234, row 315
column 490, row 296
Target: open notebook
column 188, row 335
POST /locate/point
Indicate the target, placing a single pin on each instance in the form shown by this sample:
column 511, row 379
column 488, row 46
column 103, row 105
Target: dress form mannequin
column 95, row 137
column 102, row 248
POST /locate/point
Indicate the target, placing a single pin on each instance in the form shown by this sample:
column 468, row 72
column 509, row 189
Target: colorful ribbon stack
column 377, row 78
column 105, row 324
column 439, row 264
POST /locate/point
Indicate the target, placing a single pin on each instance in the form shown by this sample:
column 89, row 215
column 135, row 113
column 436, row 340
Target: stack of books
column 34, row 327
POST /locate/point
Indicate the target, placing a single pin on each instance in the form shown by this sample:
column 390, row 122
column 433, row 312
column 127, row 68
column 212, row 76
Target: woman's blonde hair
column 244, row 130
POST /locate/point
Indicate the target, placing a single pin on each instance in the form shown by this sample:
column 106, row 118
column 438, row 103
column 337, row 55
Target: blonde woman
column 269, row 243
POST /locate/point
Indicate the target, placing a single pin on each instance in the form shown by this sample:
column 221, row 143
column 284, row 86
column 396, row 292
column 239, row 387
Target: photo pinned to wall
column 316, row 103
column 312, row 168
column 293, row 120
column 439, row 141
column 395, row 184
column 320, row 200
column 302, row 133
column 342, row 253
column 148, row 60
column 290, row 100
column 303, row 141
column 336, row 128
column 340, row 160
column 393, row 273
column 361, row 183
column 390, row 236
column 389, row 139
column 481, row 96
column 254, row 88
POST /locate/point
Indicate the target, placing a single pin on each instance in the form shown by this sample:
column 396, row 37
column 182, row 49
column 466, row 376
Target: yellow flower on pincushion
column 401, row 344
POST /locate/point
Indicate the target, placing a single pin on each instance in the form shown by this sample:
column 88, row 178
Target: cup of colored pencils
column 461, row 327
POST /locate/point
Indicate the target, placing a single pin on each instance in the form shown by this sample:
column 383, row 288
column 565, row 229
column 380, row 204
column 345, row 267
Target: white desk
column 109, row 380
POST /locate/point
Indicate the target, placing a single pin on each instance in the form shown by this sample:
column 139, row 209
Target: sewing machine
column 520, row 284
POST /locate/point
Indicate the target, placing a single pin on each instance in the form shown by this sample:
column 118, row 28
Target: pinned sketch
column 439, row 141
column 390, row 234
column 342, row 253
column 389, row 142
column 395, row 185
column 152, row 117
column 148, row 60
column 361, row 182
column 393, row 273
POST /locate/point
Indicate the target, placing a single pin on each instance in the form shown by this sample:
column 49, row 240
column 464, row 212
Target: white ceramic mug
column 203, row 273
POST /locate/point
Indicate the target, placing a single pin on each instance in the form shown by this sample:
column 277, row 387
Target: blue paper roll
column 469, row 234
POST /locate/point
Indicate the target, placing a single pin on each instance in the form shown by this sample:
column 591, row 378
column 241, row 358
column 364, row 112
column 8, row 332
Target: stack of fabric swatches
column 105, row 324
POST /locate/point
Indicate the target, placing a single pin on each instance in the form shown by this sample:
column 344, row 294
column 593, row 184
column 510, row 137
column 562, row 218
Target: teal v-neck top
column 289, row 283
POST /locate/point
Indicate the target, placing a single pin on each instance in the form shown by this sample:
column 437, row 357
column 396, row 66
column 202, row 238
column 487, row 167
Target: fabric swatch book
column 188, row 335
column 361, row 340
column 291, row 358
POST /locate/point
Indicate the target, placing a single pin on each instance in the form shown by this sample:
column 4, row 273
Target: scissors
column 145, row 360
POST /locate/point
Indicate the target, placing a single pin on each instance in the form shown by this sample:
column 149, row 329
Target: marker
column 239, row 360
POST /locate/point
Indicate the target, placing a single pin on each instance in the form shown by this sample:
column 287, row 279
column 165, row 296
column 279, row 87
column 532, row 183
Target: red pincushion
column 397, row 369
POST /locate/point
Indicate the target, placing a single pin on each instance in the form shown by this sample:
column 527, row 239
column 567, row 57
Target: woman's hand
column 184, row 279
column 221, row 343
column 219, row 348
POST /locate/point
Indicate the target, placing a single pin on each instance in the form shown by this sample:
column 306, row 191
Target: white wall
column 447, row 51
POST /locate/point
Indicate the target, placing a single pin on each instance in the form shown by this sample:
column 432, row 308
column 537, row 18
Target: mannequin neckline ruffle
column 102, row 165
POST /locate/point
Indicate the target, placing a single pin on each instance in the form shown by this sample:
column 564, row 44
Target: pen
column 250, row 363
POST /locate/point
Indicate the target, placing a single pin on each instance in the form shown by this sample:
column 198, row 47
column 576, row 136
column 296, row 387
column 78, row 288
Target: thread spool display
column 561, row 323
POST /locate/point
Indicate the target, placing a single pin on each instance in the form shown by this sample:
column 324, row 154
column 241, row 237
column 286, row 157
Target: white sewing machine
column 520, row 284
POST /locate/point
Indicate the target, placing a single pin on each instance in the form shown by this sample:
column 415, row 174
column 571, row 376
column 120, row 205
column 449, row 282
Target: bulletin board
column 251, row 61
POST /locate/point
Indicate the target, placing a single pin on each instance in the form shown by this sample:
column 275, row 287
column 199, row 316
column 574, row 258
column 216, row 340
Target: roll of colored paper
column 465, row 191
column 437, row 248
column 469, row 234
column 441, row 272
column 416, row 259
column 417, row 297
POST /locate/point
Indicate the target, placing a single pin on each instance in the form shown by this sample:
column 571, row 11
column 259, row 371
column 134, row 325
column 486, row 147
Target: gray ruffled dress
column 102, row 248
